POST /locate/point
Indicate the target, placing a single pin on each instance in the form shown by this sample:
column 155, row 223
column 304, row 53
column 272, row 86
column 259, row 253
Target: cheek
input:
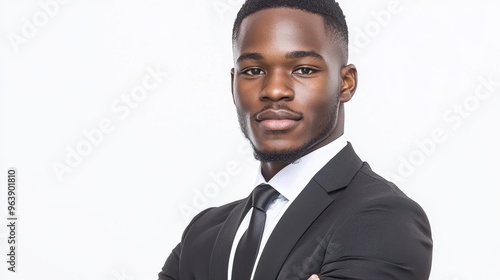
column 245, row 96
column 237, row 94
column 317, row 98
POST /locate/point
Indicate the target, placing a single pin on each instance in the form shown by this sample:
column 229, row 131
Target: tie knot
column 262, row 196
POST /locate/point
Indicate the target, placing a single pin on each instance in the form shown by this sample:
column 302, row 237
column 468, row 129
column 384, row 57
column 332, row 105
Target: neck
column 271, row 168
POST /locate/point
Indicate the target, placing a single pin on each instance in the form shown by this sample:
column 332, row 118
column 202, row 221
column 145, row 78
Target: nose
column 277, row 87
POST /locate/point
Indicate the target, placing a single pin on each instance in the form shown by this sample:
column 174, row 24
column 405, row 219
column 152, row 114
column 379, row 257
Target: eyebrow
column 291, row 55
column 302, row 54
column 250, row 56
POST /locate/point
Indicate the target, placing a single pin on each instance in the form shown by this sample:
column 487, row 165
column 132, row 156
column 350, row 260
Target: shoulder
column 376, row 207
column 370, row 203
column 371, row 188
column 380, row 224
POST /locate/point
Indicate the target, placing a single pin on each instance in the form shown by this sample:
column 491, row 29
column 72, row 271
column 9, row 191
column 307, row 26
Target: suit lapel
column 222, row 248
column 320, row 192
column 340, row 170
column 298, row 217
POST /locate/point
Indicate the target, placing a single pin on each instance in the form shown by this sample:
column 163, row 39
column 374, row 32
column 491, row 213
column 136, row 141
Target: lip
column 278, row 120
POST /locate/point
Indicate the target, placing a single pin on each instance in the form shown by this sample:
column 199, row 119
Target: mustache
column 277, row 106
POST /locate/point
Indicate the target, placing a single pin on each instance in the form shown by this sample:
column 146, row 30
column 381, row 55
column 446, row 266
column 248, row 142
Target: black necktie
column 248, row 247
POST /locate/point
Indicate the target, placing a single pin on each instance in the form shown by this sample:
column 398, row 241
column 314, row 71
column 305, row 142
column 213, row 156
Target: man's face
column 288, row 82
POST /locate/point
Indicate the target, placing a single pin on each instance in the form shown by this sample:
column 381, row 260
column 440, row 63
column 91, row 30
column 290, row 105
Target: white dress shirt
column 289, row 182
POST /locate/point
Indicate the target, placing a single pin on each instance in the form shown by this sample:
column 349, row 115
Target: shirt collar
column 290, row 180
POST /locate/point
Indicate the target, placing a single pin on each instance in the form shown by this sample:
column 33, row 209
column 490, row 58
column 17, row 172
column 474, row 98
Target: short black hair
column 330, row 10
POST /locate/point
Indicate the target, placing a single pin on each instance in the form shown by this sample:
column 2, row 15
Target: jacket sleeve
column 171, row 269
column 388, row 238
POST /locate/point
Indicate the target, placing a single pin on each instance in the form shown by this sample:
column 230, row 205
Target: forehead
column 284, row 29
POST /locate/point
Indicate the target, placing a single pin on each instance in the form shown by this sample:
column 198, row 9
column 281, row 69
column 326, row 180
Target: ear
column 349, row 76
column 232, row 83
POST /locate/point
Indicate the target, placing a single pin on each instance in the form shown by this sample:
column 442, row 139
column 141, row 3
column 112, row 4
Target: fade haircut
column 332, row 14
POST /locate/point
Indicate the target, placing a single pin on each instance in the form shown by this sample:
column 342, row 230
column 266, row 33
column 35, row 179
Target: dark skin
column 286, row 58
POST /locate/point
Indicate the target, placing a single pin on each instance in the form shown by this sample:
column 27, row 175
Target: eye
column 253, row 72
column 305, row 71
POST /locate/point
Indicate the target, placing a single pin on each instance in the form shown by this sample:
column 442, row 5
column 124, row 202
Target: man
column 334, row 217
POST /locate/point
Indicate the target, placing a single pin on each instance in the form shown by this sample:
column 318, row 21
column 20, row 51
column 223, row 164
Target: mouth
column 278, row 120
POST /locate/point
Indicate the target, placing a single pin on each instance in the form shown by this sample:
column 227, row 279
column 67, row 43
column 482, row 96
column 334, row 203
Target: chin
column 279, row 155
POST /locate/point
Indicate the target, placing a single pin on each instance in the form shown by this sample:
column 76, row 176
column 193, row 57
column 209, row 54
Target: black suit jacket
column 347, row 223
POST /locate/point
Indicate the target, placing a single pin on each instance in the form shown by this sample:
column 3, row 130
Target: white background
column 122, row 206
